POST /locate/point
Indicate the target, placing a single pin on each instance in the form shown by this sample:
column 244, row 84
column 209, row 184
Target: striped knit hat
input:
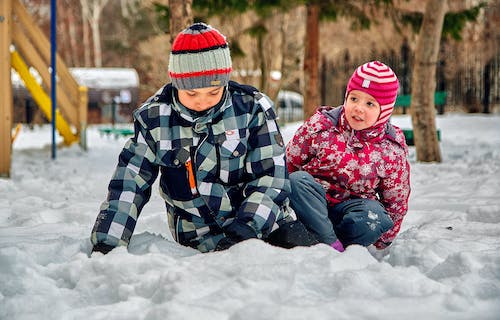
column 379, row 81
column 199, row 59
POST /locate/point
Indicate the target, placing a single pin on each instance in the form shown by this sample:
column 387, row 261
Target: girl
column 348, row 166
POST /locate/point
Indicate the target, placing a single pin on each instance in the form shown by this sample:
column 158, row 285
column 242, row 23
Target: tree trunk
column 181, row 16
column 264, row 73
column 85, row 30
column 424, row 82
column 64, row 42
column 311, row 97
column 73, row 46
column 487, row 86
column 98, row 5
column 91, row 11
column 96, row 42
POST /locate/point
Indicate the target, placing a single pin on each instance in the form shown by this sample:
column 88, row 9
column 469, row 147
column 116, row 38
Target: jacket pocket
column 232, row 154
column 174, row 179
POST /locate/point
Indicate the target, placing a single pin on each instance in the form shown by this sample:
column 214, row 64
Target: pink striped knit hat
column 379, row 81
column 200, row 58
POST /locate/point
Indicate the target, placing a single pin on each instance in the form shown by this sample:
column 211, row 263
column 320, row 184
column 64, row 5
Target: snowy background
column 445, row 263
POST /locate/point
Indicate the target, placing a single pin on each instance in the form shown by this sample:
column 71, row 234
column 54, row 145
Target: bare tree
column 67, row 23
column 72, row 31
column 424, row 82
column 86, row 35
column 311, row 60
column 181, row 16
column 129, row 8
column 360, row 13
column 91, row 13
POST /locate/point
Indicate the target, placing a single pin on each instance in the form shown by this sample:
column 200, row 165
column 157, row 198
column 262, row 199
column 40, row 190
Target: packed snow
column 445, row 263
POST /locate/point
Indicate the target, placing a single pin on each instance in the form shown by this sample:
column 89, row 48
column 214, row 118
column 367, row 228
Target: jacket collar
column 168, row 94
column 372, row 134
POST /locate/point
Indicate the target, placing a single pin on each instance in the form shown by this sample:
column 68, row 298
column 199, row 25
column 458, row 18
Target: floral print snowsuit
column 349, row 164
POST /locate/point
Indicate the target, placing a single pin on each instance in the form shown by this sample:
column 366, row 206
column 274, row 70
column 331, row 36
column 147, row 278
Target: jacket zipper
column 193, row 165
column 177, row 228
column 191, row 177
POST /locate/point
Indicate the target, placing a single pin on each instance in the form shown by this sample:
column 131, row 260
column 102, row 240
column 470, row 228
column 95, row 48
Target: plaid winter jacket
column 220, row 170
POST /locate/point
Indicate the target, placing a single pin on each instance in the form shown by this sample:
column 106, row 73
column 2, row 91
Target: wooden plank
column 42, row 99
column 40, row 41
column 5, row 88
column 33, row 58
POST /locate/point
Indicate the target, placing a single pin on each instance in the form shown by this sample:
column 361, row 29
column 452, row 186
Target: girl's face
column 200, row 99
column 361, row 110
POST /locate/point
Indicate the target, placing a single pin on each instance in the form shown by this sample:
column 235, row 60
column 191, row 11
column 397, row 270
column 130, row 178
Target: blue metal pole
column 53, row 51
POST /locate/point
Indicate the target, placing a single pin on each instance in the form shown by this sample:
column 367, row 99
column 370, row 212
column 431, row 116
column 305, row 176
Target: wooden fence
column 471, row 85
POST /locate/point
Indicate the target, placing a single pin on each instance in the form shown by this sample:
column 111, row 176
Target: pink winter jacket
column 370, row 163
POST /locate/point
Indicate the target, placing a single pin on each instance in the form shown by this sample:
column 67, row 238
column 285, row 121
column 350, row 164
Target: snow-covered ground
column 445, row 263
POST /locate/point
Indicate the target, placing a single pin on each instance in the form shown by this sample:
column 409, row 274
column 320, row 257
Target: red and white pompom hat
column 379, row 81
column 200, row 58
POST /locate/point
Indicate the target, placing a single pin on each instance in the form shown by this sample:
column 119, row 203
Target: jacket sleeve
column 129, row 189
column 268, row 186
column 300, row 150
column 395, row 192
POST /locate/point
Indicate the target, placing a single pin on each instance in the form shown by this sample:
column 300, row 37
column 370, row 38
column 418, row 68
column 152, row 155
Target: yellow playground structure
column 24, row 47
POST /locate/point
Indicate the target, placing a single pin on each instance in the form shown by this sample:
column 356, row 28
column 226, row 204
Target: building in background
column 113, row 95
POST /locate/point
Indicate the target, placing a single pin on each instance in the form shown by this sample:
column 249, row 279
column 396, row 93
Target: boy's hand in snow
column 224, row 244
column 102, row 248
column 235, row 232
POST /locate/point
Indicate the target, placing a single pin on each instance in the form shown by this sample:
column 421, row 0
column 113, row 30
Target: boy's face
column 361, row 110
column 200, row 99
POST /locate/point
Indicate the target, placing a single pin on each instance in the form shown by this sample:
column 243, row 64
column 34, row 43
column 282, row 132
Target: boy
column 219, row 151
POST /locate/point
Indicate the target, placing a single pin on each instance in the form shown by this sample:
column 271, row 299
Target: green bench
column 117, row 132
column 404, row 101
column 410, row 138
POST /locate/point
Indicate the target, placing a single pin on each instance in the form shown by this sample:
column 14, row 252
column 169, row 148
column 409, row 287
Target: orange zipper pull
column 191, row 179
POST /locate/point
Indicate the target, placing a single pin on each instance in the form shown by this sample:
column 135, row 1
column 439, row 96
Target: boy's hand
column 102, row 248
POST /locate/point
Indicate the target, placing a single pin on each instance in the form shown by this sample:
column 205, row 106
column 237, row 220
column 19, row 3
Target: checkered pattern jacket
column 236, row 161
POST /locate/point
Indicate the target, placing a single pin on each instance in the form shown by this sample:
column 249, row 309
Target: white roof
column 96, row 78
column 106, row 78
